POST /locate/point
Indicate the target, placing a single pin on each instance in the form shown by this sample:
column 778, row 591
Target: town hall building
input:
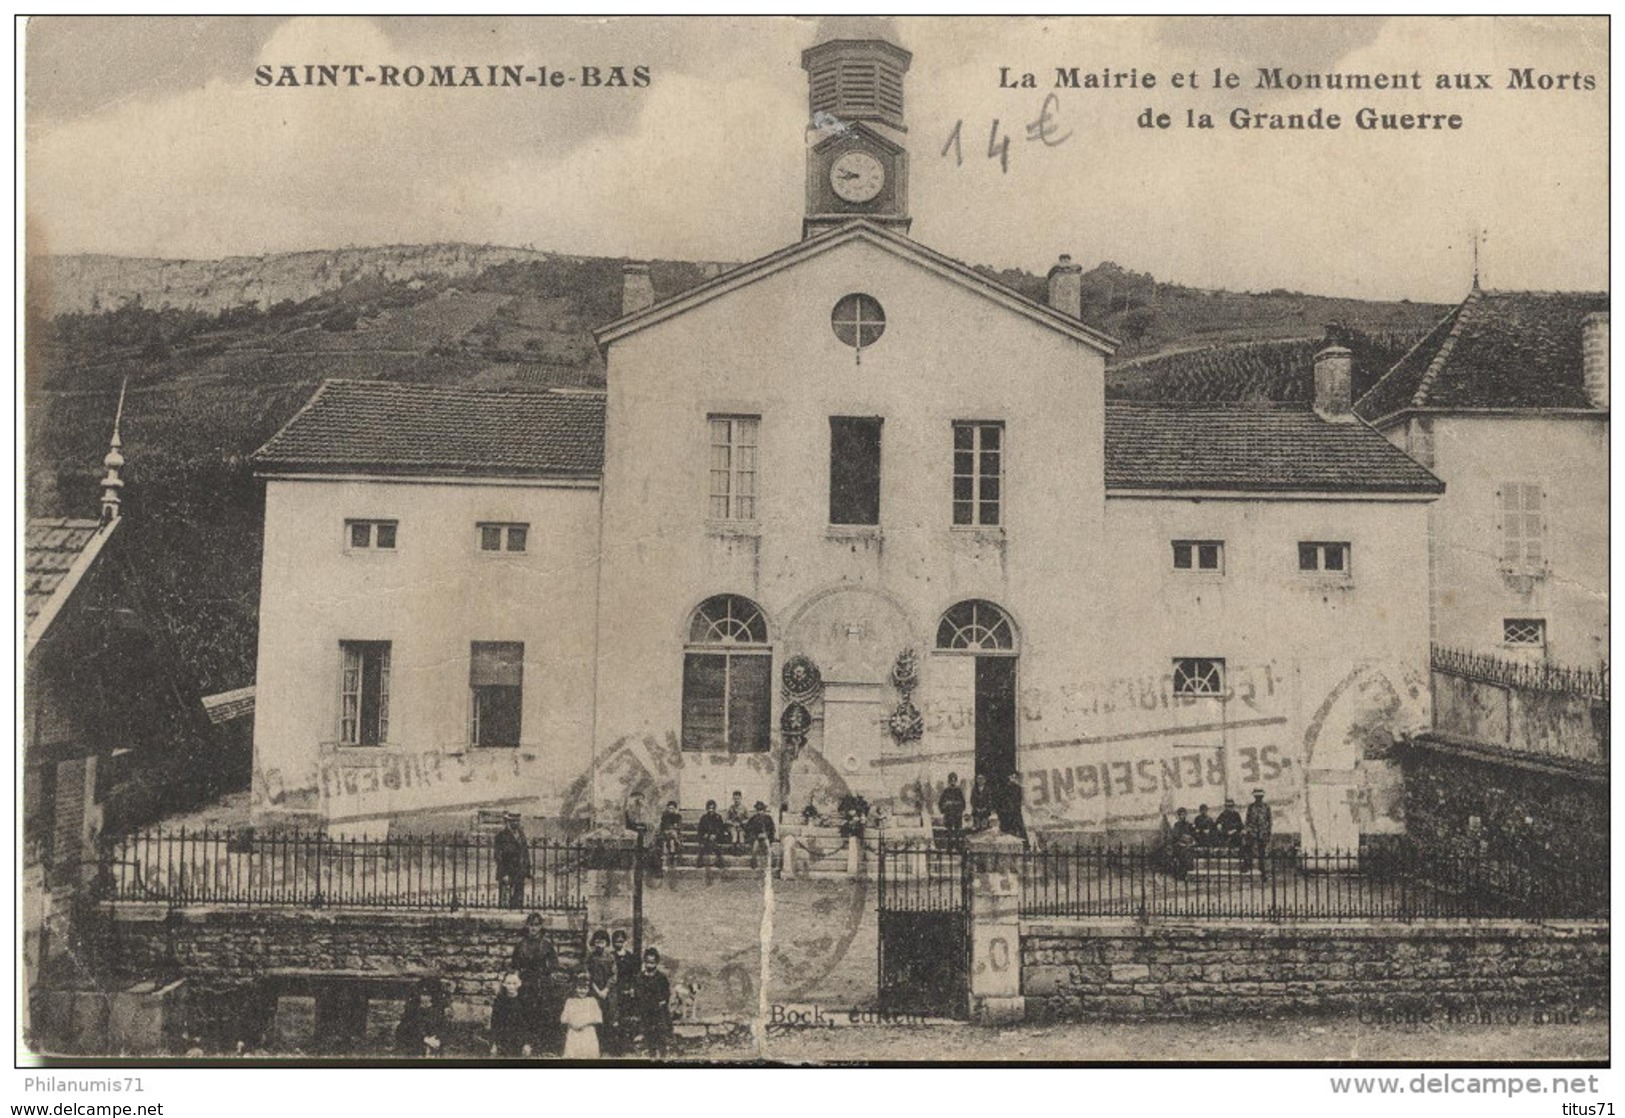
column 847, row 518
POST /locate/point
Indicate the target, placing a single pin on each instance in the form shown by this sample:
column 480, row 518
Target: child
column 510, row 1024
column 626, row 984
column 603, row 977
column 581, row 1018
column 713, row 833
column 418, row 1034
column 738, row 816
column 654, row 1004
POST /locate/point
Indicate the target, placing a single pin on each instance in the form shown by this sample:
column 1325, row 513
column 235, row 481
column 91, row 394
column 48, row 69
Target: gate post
column 995, row 929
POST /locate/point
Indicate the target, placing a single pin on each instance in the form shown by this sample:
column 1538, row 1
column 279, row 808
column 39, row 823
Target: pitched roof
column 1254, row 448
column 857, row 229
column 352, row 426
column 1496, row 350
column 56, row 555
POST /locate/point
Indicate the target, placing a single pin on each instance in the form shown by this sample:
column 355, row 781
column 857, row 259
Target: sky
column 149, row 137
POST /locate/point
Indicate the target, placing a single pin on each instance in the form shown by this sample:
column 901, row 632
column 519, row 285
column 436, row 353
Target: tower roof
column 850, row 28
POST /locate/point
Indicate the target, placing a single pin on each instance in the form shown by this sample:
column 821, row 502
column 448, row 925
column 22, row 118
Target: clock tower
column 856, row 163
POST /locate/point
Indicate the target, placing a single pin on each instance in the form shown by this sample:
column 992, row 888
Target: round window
column 858, row 321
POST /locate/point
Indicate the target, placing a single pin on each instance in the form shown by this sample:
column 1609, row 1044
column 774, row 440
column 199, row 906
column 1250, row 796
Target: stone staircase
column 802, row 849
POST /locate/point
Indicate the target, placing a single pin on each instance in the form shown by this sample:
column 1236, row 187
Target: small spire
column 1477, row 233
column 113, row 483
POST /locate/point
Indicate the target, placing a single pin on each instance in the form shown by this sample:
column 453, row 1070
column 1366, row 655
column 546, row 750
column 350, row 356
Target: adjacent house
column 1506, row 400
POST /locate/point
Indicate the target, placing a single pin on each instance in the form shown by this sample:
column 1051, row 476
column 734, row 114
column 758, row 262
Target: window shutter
column 749, row 697
column 496, row 664
column 704, row 682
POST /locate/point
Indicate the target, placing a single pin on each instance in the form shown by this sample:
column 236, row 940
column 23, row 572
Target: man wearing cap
column 1258, row 827
column 759, row 833
column 512, row 855
column 1229, row 826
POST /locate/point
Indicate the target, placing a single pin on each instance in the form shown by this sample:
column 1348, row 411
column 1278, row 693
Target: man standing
column 1257, row 842
column 513, row 862
column 952, row 806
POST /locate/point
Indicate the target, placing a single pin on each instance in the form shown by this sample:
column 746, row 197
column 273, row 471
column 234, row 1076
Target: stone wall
column 1073, row 970
column 1468, row 800
column 1551, row 723
column 229, row 956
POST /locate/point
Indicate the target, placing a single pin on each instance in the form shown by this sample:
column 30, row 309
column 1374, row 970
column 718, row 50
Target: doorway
column 996, row 718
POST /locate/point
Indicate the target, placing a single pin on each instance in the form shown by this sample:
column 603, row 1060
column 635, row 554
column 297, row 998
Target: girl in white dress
column 581, row 1018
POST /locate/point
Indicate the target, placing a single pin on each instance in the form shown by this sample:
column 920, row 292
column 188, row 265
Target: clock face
column 857, row 176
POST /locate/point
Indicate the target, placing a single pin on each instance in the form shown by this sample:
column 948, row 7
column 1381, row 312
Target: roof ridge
column 1431, row 373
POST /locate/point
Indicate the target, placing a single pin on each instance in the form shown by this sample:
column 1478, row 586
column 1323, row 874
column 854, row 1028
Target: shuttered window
column 1523, row 526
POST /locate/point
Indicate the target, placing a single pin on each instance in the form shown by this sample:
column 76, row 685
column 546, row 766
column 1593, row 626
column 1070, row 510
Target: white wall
column 1476, row 456
column 433, row 596
column 851, row 600
column 1324, row 670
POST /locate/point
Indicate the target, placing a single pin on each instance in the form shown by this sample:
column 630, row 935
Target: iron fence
column 921, row 877
column 313, row 869
column 1587, row 682
column 1297, row 885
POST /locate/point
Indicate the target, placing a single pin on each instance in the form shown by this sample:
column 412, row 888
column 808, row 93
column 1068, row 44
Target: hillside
column 218, row 354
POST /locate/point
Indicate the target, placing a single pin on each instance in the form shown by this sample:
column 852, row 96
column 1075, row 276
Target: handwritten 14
column 1045, row 129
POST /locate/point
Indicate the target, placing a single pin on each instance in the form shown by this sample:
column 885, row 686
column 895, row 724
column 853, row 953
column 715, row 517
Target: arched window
column 727, row 678
column 976, row 626
column 728, row 619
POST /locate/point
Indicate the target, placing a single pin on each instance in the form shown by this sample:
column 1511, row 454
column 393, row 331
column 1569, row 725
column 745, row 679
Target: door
column 996, row 718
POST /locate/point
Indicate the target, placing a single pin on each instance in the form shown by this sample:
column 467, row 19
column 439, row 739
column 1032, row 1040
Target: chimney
column 637, row 290
column 1066, row 287
column 1334, row 382
column 1594, row 357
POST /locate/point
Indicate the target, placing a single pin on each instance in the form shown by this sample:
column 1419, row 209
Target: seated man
column 714, row 832
column 1204, row 826
column 671, row 831
column 1229, row 826
column 759, row 834
column 1184, row 842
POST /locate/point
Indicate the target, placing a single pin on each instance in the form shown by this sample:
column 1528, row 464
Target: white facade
column 431, row 597
column 1564, row 458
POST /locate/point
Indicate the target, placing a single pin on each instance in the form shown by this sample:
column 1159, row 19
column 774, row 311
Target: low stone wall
column 230, row 955
column 1077, row 970
column 1466, row 799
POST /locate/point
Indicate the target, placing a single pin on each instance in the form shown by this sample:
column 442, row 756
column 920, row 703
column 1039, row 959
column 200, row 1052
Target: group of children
column 603, row 1009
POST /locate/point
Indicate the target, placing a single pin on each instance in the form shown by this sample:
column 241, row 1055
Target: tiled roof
column 385, row 427
column 1498, row 349
column 1256, row 448
column 51, row 548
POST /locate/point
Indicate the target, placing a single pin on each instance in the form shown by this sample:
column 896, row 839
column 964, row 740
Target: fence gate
column 924, row 910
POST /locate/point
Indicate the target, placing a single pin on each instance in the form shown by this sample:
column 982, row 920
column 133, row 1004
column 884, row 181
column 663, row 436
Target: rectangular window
column 1527, row 631
column 1198, row 555
column 726, row 702
column 371, row 534
column 364, row 693
column 503, row 537
column 1198, row 676
column 496, row 672
column 978, row 473
column 1319, row 556
column 1523, row 526
column 733, row 466
column 854, row 470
